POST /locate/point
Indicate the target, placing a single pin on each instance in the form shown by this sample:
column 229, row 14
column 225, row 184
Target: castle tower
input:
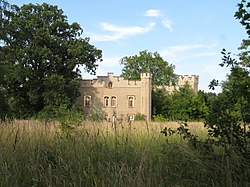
column 146, row 99
column 192, row 80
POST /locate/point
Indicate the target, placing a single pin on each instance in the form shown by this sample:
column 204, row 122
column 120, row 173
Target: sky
column 189, row 34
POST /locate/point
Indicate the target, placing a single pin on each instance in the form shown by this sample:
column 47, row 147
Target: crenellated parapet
column 192, row 80
column 116, row 81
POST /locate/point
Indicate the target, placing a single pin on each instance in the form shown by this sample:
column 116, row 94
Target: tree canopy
column 229, row 114
column 162, row 71
column 40, row 57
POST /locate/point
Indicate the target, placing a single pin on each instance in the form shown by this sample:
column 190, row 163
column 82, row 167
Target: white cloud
column 157, row 13
column 168, row 24
column 206, row 54
column 189, row 53
column 119, row 32
column 153, row 13
column 175, row 50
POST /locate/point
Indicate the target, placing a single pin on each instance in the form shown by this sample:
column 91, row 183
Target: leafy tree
column 243, row 15
column 161, row 102
column 229, row 113
column 41, row 56
column 181, row 100
column 198, row 108
column 4, row 109
column 4, row 5
column 209, row 97
column 186, row 105
column 162, row 71
column 229, row 117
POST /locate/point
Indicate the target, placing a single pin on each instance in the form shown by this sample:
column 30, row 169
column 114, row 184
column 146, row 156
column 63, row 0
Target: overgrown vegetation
column 40, row 56
column 33, row 154
column 39, row 79
column 96, row 112
column 182, row 104
column 139, row 117
column 227, row 117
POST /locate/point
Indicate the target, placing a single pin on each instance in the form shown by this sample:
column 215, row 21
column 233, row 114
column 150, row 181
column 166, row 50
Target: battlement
column 186, row 79
column 146, row 75
column 191, row 80
column 116, row 81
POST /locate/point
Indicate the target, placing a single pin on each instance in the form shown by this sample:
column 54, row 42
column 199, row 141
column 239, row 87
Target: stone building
column 192, row 80
column 121, row 97
column 117, row 95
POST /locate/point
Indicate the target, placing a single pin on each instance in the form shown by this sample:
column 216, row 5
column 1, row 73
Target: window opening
column 131, row 101
column 106, row 101
column 87, row 100
column 113, row 101
column 110, row 84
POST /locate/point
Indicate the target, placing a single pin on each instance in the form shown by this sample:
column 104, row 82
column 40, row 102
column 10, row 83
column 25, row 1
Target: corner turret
column 146, row 89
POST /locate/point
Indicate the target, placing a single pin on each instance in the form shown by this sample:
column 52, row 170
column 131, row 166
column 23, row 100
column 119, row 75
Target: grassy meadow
column 34, row 153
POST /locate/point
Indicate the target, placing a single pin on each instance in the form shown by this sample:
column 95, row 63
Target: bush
column 139, row 117
column 96, row 112
column 159, row 118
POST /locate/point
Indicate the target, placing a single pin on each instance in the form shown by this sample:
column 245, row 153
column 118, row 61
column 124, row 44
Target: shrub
column 159, row 118
column 139, row 117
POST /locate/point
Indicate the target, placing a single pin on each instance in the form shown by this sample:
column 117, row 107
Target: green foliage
column 183, row 104
column 242, row 14
column 96, row 112
column 204, row 146
column 139, row 117
column 40, row 58
column 4, row 5
column 35, row 155
column 209, row 98
column 60, row 91
column 181, row 100
column 161, row 102
column 186, row 105
column 229, row 112
column 162, row 71
column 68, row 118
column 159, row 118
column 228, row 118
column 4, row 107
column 198, row 108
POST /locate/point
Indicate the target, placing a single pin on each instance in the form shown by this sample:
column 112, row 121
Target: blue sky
column 189, row 34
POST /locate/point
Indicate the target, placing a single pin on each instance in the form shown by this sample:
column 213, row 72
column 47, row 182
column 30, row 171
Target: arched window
column 87, row 100
column 131, row 101
column 106, row 101
column 110, row 84
column 113, row 101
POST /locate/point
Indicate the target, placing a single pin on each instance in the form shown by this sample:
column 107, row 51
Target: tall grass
column 33, row 153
